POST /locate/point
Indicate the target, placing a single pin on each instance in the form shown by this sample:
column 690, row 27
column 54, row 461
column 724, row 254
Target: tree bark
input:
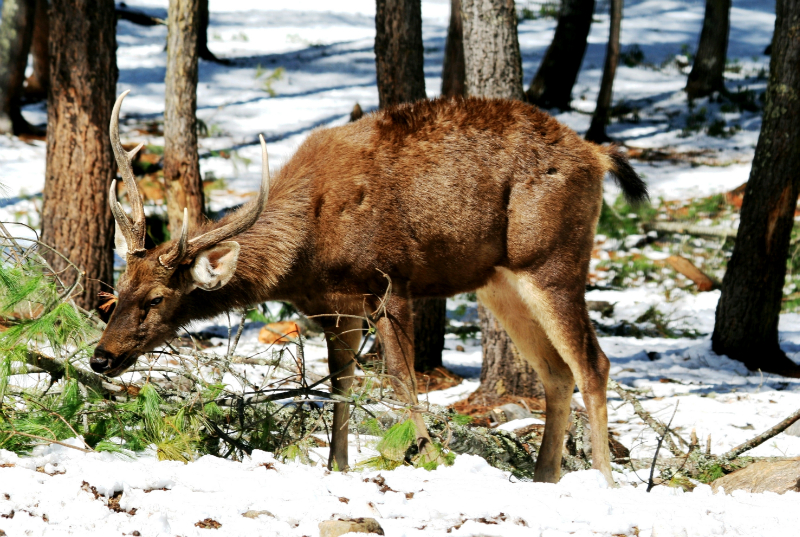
column 493, row 69
column 453, row 67
column 398, row 52
column 430, row 316
column 504, row 371
column 493, row 65
column 37, row 83
column 707, row 74
column 181, row 161
column 76, row 219
column 16, row 29
column 746, row 327
column 597, row 130
column 552, row 85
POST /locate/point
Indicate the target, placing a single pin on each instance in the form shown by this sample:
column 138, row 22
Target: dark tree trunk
column 181, row 163
column 453, row 67
column 37, row 83
column 493, row 65
column 76, row 219
column 707, row 74
column 491, row 48
column 398, row 52
column 398, row 59
column 16, row 29
column 552, row 85
column 597, row 130
column 746, row 327
column 202, row 35
column 504, row 371
column 430, row 316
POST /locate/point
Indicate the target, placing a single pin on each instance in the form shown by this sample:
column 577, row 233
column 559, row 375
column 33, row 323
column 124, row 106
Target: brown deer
column 442, row 197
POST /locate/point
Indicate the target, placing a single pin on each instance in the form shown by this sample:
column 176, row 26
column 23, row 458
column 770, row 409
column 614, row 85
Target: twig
column 650, row 483
column 50, row 441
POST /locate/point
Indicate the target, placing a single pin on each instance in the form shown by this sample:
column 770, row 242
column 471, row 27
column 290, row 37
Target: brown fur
column 443, row 197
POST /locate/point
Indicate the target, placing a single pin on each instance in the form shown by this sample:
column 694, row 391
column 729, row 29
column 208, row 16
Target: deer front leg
column 396, row 328
column 343, row 336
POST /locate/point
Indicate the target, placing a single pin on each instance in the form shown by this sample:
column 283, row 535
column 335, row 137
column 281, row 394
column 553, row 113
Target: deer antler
column 243, row 221
column 134, row 229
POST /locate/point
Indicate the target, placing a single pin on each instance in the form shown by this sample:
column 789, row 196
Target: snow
column 326, row 52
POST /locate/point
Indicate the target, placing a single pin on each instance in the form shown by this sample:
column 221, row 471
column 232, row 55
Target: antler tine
column 177, row 252
column 242, row 221
column 136, row 227
column 119, row 215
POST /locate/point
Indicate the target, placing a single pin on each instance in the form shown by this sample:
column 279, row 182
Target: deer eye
column 156, row 301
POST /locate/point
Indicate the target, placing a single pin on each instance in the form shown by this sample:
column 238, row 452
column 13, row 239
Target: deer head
column 154, row 291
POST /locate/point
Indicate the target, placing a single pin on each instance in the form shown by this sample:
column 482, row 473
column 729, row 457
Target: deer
column 437, row 197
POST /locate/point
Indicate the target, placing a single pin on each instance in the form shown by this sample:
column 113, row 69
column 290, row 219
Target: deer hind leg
column 396, row 327
column 503, row 299
column 562, row 313
column 343, row 336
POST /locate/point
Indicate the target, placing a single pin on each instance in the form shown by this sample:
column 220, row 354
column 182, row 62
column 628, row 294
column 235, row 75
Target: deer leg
column 343, row 336
column 563, row 315
column 396, row 328
column 532, row 342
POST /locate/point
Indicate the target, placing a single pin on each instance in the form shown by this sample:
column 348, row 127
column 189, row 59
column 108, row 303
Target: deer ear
column 213, row 268
column 120, row 246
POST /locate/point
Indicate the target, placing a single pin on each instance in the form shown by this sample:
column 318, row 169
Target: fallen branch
column 692, row 229
column 763, row 437
column 57, row 370
column 687, row 268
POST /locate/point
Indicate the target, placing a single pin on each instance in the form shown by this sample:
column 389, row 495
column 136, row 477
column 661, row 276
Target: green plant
column 269, row 79
column 633, row 56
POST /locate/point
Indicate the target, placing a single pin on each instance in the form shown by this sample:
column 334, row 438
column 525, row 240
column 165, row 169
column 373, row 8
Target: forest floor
column 295, row 69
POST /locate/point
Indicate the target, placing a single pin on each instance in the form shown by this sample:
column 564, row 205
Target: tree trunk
column 398, row 59
column 453, row 67
column 430, row 316
column 490, row 49
column 202, row 35
column 707, row 74
column 493, row 64
column 181, row 162
column 76, row 219
column 597, row 130
column 504, row 371
column 746, row 327
column 398, row 52
column 16, row 29
column 552, row 85
column 38, row 82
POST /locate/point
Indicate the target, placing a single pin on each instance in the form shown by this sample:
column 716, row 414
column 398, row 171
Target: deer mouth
column 111, row 366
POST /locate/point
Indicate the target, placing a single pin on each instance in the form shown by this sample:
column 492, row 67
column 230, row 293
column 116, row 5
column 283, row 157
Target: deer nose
column 101, row 360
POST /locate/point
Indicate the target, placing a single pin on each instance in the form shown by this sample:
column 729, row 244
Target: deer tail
column 633, row 187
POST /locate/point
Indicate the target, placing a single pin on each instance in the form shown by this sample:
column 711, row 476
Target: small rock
column 335, row 528
column 460, row 348
column 510, row 412
column 282, row 332
column 763, row 476
column 255, row 514
column 794, row 429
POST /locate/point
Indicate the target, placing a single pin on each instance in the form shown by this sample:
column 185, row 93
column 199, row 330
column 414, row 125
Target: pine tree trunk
column 76, row 219
column 597, row 130
column 490, row 50
column 202, row 35
column 398, row 52
column 430, row 316
column 181, row 162
column 453, row 67
column 746, row 327
column 552, row 85
column 493, row 64
column 37, row 83
column 707, row 74
column 504, row 371
column 16, row 29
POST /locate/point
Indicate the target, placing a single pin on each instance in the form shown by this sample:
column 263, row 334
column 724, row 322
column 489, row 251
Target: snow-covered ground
column 325, row 51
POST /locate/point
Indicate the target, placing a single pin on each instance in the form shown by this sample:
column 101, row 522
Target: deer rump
column 428, row 199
